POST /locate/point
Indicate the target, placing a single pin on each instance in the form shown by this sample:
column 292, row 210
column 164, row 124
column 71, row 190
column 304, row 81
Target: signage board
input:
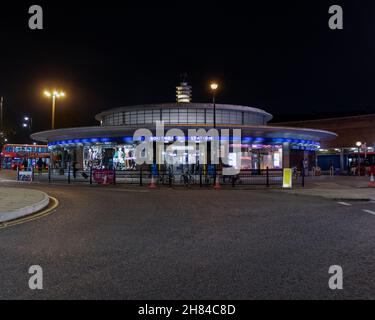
column 287, row 178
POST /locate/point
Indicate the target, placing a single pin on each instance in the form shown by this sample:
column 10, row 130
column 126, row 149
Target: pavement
column 343, row 188
column 19, row 202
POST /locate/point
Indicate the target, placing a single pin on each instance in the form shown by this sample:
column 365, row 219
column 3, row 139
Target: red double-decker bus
column 15, row 156
column 366, row 163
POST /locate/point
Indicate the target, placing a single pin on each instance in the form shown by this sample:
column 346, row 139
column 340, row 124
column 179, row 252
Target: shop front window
column 259, row 157
column 119, row 157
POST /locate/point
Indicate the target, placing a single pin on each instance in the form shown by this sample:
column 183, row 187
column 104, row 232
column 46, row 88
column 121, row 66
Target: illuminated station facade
column 111, row 145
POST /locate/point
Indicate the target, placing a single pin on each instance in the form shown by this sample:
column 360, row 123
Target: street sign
column 287, row 178
column 25, row 175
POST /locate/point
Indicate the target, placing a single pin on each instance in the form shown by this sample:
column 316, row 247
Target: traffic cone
column 371, row 184
column 152, row 184
column 217, row 185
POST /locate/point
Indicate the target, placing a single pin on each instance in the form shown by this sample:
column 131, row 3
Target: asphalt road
column 107, row 243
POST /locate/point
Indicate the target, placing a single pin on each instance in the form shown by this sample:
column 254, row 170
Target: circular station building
column 111, row 144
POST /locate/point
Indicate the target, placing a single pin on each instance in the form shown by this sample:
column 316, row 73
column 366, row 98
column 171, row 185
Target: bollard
column 68, row 172
column 371, row 184
column 18, row 173
column 90, row 175
column 49, row 173
column 303, row 177
column 153, row 183
column 140, row 177
column 267, row 177
column 200, row 180
column 114, row 176
column 217, row 180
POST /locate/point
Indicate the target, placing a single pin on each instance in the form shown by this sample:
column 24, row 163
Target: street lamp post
column 54, row 95
column 28, row 122
column 359, row 144
column 214, row 86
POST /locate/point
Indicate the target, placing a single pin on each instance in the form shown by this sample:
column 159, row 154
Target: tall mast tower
column 183, row 91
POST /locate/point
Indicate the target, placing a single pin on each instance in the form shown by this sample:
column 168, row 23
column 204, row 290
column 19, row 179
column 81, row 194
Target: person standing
column 40, row 165
column 331, row 169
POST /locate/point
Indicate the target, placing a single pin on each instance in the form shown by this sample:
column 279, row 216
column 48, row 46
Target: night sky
column 279, row 56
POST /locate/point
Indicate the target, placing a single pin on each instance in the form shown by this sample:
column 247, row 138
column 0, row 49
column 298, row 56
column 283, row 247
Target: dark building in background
column 355, row 135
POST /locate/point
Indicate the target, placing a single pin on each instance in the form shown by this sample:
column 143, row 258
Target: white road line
column 344, row 204
column 369, row 211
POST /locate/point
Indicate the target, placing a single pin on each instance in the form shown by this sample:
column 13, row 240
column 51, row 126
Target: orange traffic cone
column 152, row 184
column 371, row 184
column 217, row 185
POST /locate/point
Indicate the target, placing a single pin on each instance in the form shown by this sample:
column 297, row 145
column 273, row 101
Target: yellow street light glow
column 214, row 86
column 54, row 93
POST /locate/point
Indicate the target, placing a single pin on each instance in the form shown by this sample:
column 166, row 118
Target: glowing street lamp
column 359, row 145
column 54, row 95
column 214, row 86
column 27, row 122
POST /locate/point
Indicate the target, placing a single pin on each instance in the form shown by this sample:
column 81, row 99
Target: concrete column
column 342, row 161
column 306, row 162
column 79, row 157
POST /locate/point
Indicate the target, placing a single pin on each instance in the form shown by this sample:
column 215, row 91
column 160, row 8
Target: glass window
column 110, row 120
column 233, row 117
column 155, row 115
column 148, row 116
column 226, row 116
column 116, row 119
column 182, row 116
column 165, row 116
column 209, row 116
column 239, row 117
column 200, row 116
column 219, row 116
column 127, row 117
column 192, row 116
column 141, row 117
column 248, row 119
column 133, row 117
column 174, row 115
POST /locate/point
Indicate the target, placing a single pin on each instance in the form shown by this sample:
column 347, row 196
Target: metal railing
column 265, row 177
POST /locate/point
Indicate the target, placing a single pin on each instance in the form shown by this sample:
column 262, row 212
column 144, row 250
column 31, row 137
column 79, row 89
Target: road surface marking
column 49, row 210
column 344, row 204
column 369, row 211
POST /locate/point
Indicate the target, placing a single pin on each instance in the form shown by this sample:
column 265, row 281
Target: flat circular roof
column 267, row 132
column 267, row 115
